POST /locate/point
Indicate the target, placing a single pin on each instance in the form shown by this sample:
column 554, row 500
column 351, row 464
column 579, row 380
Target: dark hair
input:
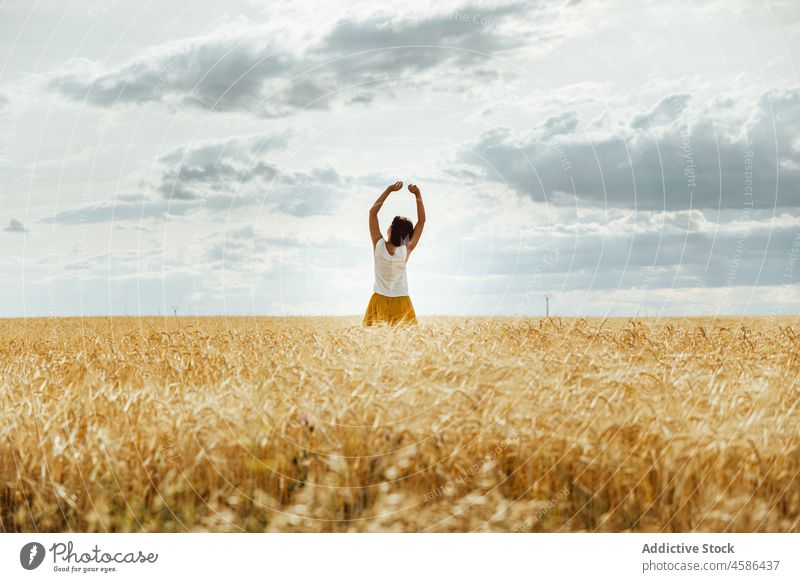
column 401, row 231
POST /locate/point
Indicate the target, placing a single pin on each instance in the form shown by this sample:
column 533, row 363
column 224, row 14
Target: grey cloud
column 193, row 171
column 241, row 71
column 238, row 174
column 689, row 162
column 472, row 27
column 15, row 226
column 160, row 209
column 221, row 73
column 189, row 181
column 674, row 259
column 220, row 177
column 379, row 47
column 123, row 210
column 207, row 176
column 623, row 249
column 745, row 255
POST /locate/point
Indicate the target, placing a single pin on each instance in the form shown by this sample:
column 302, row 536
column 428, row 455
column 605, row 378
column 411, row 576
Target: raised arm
column 374, row 227
column 414, row 189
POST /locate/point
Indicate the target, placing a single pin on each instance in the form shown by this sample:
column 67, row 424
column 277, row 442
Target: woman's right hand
column 394, row 187
column 414, row 189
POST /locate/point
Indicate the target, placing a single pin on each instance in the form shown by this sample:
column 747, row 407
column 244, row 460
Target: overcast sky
column 622, row 157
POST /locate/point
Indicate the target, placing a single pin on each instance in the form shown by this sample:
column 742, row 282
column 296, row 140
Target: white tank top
column 390, row 270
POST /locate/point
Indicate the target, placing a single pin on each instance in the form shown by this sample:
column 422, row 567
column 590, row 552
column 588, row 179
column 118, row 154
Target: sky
column 620, row 157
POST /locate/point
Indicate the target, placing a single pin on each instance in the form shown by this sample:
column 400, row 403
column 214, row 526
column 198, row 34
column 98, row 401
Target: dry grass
column 315, row 424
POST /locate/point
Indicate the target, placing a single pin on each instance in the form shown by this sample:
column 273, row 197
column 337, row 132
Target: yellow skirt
column 393, row 310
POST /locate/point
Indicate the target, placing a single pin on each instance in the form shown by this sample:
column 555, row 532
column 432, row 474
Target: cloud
column 247, row 248
column 223, row 176
column 253, row 69
column 679, row 155
column 649, row 250
column 562, row 124
column 3, row 101
column 667, row 111
column 237, row 173
column 123, row 210
column 218, row 166
column 384, row 45
column 220, row 72
column 242, row 249
column 16, row 226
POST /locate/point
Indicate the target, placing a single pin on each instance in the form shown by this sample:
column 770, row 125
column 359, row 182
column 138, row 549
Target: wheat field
column 478, row 424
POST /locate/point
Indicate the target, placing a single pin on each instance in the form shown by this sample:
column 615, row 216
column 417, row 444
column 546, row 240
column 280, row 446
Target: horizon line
column 343, row 316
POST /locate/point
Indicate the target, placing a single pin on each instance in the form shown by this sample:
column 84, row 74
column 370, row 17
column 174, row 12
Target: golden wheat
column 316, row 424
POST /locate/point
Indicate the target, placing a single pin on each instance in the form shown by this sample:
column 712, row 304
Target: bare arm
column 374, row 227
column 414, row 189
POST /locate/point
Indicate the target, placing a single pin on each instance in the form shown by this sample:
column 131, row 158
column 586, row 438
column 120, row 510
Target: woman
column 390, row 302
